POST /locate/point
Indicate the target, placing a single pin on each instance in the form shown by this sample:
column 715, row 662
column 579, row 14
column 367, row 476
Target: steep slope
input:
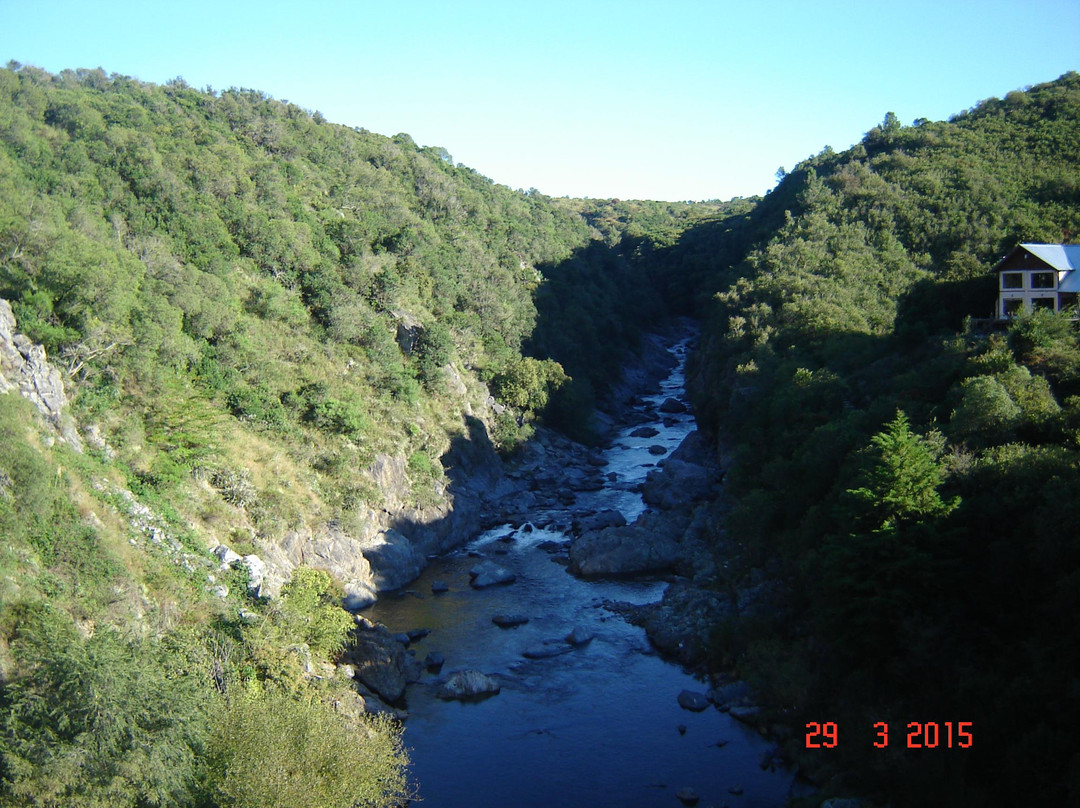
column 299, row 344
column 281, row 324
column 901, row 476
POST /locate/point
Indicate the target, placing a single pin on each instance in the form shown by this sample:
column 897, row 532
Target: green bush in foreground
column 97, row 721
column 275, row 751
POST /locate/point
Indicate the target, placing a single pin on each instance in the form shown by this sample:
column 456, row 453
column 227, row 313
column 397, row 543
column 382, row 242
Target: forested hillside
column 272, row 329
column 907, row 480
column 276, row 331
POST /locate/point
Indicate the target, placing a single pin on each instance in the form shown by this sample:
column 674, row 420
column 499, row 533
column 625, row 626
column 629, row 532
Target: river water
column 599, row 726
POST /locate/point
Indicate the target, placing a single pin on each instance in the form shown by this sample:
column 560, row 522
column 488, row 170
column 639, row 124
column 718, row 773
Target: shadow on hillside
column 474, row 475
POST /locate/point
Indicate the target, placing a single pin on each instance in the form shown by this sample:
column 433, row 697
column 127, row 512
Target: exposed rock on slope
column 24, row 367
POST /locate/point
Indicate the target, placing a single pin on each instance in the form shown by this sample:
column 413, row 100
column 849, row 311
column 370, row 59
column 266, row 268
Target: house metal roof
column 1062, row 257
column 1070, row 283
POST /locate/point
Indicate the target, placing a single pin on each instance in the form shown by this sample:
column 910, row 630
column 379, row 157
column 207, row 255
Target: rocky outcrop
column 380, row 663
column 650, row 545
column 327, row 547
column 689, row 474
column 389, row 545
column 25, row 369
column 394, row 560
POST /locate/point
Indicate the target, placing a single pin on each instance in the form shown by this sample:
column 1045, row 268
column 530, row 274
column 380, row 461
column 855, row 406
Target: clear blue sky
column 671, row 100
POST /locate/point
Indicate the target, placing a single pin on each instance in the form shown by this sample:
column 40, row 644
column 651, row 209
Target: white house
column 1038, row 276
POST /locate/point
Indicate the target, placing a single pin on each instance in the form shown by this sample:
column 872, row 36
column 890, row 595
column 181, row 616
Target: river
column 598, row 726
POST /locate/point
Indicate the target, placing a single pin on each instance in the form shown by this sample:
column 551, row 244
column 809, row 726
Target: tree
column 311, row 606
column 902, row 485
column 526, row 383
column 432, row 351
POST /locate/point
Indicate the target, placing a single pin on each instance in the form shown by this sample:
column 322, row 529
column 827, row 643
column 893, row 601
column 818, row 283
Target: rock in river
column 487, row 574
column 598, row 521
column 649, row 545
column 672, row 405
column 469, row 684
column 696, row 702
column 687, row 796
column 550, row 648
column 509, row 620
column 579, row 636
column 434, row 661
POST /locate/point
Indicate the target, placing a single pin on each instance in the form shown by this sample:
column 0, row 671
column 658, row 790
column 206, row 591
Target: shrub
column 97, row 721
column 343, row 417
column 235, row 486
column 311, row 607
column 274, row 751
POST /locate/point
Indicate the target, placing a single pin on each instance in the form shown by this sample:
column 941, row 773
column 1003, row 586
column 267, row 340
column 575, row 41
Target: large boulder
column 256, row 569
column 676, row 484
column 673, row 406
column 685, row 477
column 649, row 545
column 381, row 664
column 226, row 555
column 696, row 448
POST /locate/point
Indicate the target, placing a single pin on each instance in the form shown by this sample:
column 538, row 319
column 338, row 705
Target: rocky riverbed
column 544, row 669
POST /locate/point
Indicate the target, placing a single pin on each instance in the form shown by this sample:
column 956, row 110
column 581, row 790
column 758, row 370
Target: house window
column 1012, row 280
column 1042, row 280
column 1042, row 303
column 1012, row 306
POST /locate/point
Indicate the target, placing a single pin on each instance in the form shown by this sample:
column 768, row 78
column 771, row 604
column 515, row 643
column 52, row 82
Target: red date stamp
column 920, row 735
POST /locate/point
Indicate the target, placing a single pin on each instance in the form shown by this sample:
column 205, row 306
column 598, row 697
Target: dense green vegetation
column 905, row 477
column 123, row 679
column 251, row 305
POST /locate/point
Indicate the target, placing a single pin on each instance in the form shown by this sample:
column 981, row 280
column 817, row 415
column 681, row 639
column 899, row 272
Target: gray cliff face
column 24, row 368
column 391, row 544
